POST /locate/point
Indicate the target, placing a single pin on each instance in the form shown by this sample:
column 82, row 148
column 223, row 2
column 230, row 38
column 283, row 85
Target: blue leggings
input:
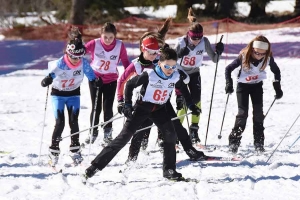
column 58, row 105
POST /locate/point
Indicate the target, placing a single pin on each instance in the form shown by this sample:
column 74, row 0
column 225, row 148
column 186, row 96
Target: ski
column 220, row 158
column 182, row 179
column 213, row 159
column 5, row 152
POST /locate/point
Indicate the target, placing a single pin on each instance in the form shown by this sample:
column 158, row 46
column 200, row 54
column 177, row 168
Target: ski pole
column 220, row 136
column 101, row 124
column 294, row 142
column 283, row 138
column 212, row 94
column 155, row 125
column 270, row 108
column 93, row 122
column 43, row 125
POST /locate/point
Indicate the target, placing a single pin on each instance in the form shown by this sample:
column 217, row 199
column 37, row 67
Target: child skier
column 66, row 75
column 157, row 85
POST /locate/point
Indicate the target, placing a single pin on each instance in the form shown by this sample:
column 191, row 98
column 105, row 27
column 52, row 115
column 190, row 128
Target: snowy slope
column 22, row 112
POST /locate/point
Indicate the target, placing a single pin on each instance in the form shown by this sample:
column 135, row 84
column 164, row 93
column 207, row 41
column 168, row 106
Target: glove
column 97, row 83
column 219, row 48
column 229, row 86
column 120, row 107
column 183, row 52
column 47, row 81
column 277, row 88
column 128, row 110
column 179, row 102
column 195, row 110
column 184, row 77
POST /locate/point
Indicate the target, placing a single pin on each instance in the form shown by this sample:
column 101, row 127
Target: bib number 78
column 159, row 95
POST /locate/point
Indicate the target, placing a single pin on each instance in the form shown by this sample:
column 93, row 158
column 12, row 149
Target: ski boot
column 194, row 133
column 92, row 137
column 195, row 155
column 107, row 135
column 259, row 148
column 76, row 157
column 53, row 157
column 171, row 174
column 89, row 172
column 235, row 140
column 130, row 160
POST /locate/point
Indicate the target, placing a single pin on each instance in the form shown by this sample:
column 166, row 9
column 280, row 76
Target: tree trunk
column 297, row 8
column 77, row 12
column 225, row 8
column 258, row 8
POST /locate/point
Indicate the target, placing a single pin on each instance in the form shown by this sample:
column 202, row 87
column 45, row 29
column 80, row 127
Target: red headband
column 195, row 34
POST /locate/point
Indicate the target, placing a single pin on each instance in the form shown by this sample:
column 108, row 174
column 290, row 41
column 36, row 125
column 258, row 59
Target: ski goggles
column 195, row 38
column 259, row 54
column 75, row 57
column 170, row 67
column 151, row 51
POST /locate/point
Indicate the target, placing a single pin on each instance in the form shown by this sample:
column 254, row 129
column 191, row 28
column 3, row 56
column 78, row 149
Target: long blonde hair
column 246, row 53
column 159, row 35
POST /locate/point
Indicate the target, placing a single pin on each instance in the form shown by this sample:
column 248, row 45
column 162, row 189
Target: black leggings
column 181, row 132
column 142, row 112
column 255, row 92
column 107, row 91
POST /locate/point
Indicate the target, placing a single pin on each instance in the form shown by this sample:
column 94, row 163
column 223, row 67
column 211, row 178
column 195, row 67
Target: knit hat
column 75, row 48
column 150, row 44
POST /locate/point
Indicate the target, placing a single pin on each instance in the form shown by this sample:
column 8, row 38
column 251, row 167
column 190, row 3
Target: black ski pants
column 181, row 133
column 142, row 112
column 255, row 92
column 107, row 92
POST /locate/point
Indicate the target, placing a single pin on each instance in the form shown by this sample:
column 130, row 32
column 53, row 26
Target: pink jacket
column 108, row 78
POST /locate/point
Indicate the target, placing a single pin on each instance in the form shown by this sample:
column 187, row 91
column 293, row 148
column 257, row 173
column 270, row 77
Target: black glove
column 120, row 107
column 229, row 86
column 277, row 88
column 97, row 83
column 195, row 110
column 183, row 52
column 219, row 48
column 179, row 102
column 47, row 81
column 127, row 110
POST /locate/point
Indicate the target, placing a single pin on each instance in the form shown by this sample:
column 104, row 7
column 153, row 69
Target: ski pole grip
column 221, row 38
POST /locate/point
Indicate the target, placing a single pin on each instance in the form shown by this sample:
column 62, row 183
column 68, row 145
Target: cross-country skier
column 190, row 49
column 149, row 42
column 253, row 59
column 66, row 75
column 157, row 85
column 106, row 52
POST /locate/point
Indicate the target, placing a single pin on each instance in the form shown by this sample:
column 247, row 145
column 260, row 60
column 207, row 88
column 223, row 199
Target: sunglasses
column 74, row 57
column 152, row 52
column 170, row 67
column 259, row 54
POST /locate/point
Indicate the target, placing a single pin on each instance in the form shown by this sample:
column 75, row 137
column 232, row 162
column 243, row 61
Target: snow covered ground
column 22, row 111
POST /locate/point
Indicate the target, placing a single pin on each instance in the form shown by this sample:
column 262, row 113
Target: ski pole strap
column 171, row 120
column 101, row 124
